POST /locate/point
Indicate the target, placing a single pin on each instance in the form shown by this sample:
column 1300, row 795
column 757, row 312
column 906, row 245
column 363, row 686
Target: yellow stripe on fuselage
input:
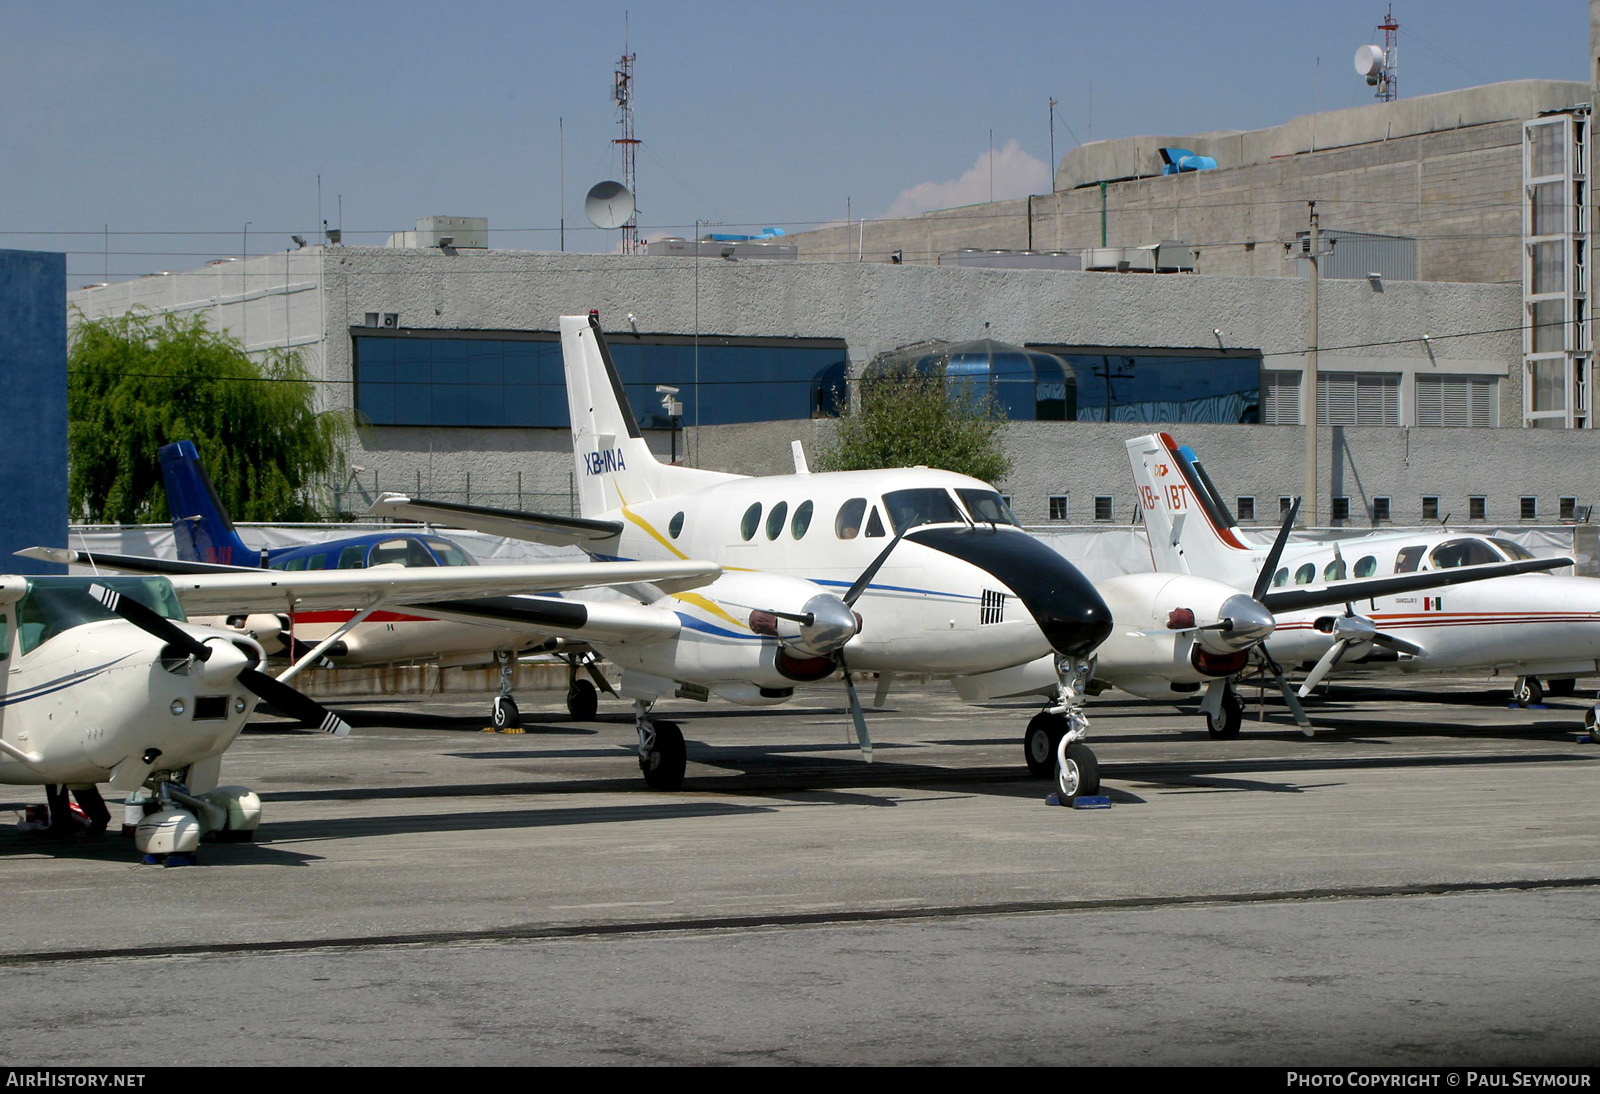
column 710, row 608
column 651, row 532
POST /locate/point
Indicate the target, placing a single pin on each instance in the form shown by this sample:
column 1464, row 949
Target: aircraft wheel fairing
column 663, row 765
column 1040, row 741
column 505, row 714
column 1227, row 724
column 583, row 701
column 168, row 832
column 243, row 809
column 1079, row 775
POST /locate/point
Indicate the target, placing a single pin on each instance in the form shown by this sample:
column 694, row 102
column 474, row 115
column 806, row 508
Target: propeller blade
column 862, row 737
column 1399, row 645
column 868, row 574
column 1270, row 563
column 292, row 702
column 1329, row 659
column 150, row 622
column 1289, row 698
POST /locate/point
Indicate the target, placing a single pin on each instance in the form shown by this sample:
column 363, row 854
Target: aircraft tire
column 1081, row 776
column 583, row 701
column 663, row 765
column 504, row 714
column 1227, row 725
column 1527, row 691
column 1040, row 741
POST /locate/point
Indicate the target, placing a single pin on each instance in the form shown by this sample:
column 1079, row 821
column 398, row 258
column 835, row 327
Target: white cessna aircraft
column 1531, row 624
column 103, row 680
column 902, row 571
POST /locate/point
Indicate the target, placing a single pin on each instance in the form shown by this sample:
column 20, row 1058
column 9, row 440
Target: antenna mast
column 1389, row 88
column 629, row 143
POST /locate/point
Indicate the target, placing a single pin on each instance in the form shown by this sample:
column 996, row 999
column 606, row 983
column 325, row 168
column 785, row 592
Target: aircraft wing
column 533, row 527
column 1339, row 592
column 131, row 564
column 306, row 590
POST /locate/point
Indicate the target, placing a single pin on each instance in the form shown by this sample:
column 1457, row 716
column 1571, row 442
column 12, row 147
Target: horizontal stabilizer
column 513, row 524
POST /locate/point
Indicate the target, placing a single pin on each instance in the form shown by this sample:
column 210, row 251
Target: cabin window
column 847, row 525
column 400, row 552
column 987, row 507
column 926, row 505
column 295, row 563
column 56, row 604
column 1334, row 571
column 751, row 521
column 1461, row 552
column 675, row 525
column 874, row 525
column 317, row 562
column 353, row 557
column 5, row 636
column 776, row 519
column 1281, row 578
column 1366, row 566
column 1305, row 575
column 1406, row 561
column 801, row 521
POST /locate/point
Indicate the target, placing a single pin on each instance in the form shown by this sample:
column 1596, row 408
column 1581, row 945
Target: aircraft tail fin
column 614, row 464
column 199, row 520
column 1190, row 528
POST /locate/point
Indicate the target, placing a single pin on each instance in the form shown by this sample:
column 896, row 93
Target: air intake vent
column 993, row 609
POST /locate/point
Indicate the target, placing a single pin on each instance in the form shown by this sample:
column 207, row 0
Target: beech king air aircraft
column 903, row 571
column 103, row 680
column 1530, row 625
column 207, row 540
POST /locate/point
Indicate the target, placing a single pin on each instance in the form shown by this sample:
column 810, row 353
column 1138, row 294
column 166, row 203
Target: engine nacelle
column 1157, row 638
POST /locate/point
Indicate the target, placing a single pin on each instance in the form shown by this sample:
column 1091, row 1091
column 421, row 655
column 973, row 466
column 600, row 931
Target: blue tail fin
column 200, row 523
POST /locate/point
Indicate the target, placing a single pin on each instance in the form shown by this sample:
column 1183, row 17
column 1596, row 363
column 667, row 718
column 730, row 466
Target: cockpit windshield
column 1462, row 552
column 927, row 505
column 987, row 507
column 56, row 604
column 1516, row 552
column 450, row 554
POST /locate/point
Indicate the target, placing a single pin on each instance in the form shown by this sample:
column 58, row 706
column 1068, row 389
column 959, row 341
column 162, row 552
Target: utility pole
column 1308, row 396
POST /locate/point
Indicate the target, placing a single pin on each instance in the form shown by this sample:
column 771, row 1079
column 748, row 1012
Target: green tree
column 135, row 384
column 906, row 418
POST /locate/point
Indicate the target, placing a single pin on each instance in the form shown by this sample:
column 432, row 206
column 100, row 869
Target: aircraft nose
column 1065, row 605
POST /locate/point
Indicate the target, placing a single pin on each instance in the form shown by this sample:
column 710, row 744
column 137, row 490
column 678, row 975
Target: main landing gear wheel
column 1080, row 775
column 664, row 762
column 1227, row 723
column 505, row 714
column 1040, row 741
column 1591, row 722
column 1527, row 691
column 583, row 701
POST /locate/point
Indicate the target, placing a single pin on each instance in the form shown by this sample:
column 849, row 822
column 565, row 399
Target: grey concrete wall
column 1445, row 169
column 33, row 400
column 875, row 307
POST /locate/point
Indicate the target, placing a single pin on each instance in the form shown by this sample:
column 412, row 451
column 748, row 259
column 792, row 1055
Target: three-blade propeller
column 229, row 661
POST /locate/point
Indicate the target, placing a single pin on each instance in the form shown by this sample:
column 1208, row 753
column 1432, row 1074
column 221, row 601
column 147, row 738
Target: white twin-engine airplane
column 1535, row 624
column 103, row 680
column 904, row 571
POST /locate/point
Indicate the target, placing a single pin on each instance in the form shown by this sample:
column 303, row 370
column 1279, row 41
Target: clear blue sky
column 176, row 123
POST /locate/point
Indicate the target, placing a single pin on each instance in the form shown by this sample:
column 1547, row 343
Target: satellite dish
column 608, row 205
column 1369, row 63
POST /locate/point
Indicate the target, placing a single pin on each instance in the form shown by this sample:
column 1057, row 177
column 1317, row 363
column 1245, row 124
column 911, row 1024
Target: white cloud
column 1016, row 174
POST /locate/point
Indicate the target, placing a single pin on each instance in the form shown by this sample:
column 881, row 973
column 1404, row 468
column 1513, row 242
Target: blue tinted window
column 1130, row 386
column 456, row 381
